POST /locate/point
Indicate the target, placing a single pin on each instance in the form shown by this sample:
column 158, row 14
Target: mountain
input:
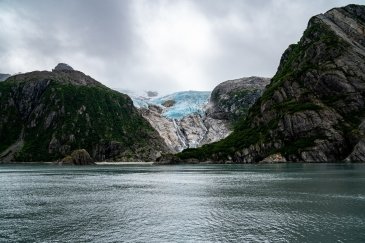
column 4, row 76
column 189, row 119
column 180, row 119
column 314, row 108
column 231, row 99
column 44, row 116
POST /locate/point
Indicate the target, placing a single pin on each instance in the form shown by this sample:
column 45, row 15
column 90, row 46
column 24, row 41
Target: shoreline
column 150, row 163
column 124, row 163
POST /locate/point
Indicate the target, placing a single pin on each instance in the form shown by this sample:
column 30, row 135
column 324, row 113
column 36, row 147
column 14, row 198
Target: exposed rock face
column 274, row 158
column 314, row 106
column 200, row 130
column 191, row 131
column 63, row 111
column 165, row 127
column 189, row 119
column 232, row 99
column 63, row 67
column 169, row 103
column 78, row 157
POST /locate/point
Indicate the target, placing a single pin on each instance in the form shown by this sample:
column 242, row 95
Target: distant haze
column 154, row 45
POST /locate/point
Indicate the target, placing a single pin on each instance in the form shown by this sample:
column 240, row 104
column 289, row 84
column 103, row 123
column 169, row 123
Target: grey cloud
column 101, row 39
column 97, row 27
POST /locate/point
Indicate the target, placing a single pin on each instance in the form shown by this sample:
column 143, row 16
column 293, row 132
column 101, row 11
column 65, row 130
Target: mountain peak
column 63, row 67
column 62, row 73
column 313, row 109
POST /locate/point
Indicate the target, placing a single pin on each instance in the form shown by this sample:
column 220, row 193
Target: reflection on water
column 203, row 203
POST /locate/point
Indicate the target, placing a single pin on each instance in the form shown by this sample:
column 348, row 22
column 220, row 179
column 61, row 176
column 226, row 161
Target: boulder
column 169, row 103
column 274, row 158
column 78, row 157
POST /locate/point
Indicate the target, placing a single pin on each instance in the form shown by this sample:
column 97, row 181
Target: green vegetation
column 242, row 137
column 10, row 124
column 73, row 116
column 297, row 145
column 242, row 100
column 302, row 57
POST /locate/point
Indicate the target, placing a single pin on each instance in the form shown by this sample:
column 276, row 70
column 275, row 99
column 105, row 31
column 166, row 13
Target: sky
column 154, row 45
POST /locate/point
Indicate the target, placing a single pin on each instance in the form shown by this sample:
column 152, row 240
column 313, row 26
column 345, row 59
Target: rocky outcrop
column 61, row 111
column 77, row 157
column 63, row 67
column 192, row 131
column 232, row 99
column 274, row 158
column 314, row 106
column 169, row 103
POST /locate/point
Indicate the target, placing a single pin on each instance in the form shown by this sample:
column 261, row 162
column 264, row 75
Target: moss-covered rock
column 78, row 157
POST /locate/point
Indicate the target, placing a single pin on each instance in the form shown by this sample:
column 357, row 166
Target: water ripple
column 222, row 203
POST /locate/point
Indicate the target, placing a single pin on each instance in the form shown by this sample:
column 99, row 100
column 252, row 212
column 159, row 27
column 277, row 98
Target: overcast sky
column 158, row 45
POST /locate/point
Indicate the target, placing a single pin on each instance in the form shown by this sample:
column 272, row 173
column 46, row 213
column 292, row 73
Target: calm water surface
column 205, row 203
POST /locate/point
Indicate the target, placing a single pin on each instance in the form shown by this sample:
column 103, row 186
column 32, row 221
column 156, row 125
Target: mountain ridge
column 54, row 113
column 313, row 109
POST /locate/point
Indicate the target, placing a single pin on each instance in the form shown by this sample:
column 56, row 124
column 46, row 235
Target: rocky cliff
column 231, row 99
column 314, row 108
column 191, row 131
column 44, row 116
column 191, row 119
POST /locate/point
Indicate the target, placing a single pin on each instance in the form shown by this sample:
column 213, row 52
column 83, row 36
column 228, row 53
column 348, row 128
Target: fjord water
column 202, row 203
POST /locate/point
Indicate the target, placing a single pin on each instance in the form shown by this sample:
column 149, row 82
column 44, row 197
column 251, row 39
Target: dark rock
column 63, row 67
column 169, row 103
column 78, row 157
column 232, row 99
column 168, row 159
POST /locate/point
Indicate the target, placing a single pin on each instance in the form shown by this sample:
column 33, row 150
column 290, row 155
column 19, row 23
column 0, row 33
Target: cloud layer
column 162, row 45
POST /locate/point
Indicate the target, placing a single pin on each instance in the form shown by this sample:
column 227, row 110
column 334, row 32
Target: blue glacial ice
column 187, row 102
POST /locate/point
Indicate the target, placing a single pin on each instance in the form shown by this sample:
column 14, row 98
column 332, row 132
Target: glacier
column 190, row 119
column 186, row 103
column 180, row 118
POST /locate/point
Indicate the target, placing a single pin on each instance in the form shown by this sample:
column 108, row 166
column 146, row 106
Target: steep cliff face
column 191, row 119
column 231, row 99
column 314, row 109
column 44, row 116
column 192, row 131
